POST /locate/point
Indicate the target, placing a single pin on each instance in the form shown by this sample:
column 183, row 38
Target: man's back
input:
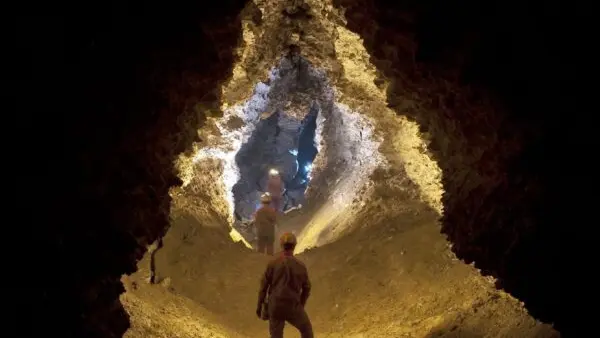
column 289, row 280
column 286, row 283
column 264, row 220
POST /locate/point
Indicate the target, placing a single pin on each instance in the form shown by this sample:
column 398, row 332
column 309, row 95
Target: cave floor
column 394, row 278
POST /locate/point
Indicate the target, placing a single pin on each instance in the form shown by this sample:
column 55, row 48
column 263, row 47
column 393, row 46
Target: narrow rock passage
column 369, row 233
column 437, row 116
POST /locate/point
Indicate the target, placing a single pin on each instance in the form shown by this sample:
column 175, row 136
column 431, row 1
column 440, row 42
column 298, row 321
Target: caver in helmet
column 273, row 172
column 288, row 240
column 265, row 198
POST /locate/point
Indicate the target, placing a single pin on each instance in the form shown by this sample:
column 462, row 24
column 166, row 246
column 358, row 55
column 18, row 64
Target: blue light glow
column 307, row 169
column 293, row 152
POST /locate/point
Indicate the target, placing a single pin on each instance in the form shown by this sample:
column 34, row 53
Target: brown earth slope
column 395, row 278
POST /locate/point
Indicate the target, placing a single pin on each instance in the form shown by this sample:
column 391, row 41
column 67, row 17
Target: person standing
column 275, row 188
column 265, row 219
column 285, row 288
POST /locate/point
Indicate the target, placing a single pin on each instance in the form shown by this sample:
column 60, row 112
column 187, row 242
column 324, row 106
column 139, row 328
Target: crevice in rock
column 152, row 252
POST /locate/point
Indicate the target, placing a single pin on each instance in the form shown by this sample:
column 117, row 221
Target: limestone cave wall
column 483, row 75
column 111, row 94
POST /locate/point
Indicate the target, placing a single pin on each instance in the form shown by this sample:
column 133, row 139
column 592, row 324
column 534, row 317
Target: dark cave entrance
column 279, row 142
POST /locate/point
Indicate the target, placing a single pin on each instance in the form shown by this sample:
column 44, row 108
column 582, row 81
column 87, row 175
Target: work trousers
column 296, row 316
column 265, row 245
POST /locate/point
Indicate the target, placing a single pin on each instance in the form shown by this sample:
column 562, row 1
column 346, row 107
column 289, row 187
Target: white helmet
column 265, row 198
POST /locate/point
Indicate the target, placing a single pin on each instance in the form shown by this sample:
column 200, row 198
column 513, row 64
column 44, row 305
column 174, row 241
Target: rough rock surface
column 126, row 95
column 496, row 200
column 121, row 93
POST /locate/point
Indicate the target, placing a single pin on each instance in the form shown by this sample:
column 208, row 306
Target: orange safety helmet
column 265, row 198
column 288, row 238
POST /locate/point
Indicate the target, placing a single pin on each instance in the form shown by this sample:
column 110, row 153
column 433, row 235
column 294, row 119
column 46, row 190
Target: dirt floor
column 392, row 278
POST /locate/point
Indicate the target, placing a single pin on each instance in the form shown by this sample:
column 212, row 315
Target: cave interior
column 279, row 142
column 124, row 89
